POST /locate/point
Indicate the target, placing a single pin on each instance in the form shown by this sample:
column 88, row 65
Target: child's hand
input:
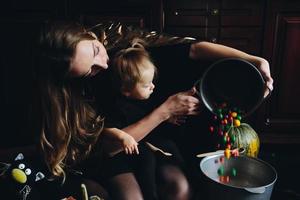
column 129, row 144
column 177, row 119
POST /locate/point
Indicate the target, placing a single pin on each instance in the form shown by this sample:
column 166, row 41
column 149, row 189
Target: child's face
column 144, row 88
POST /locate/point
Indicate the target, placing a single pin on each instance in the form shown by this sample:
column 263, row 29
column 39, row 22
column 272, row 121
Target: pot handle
column 257, row 190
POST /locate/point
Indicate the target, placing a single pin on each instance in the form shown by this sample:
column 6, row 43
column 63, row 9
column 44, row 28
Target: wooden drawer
column 245, row 39
column 190, row 18
column 248, row 13
column 191, row 4
column 207, row 34
column 192, row 13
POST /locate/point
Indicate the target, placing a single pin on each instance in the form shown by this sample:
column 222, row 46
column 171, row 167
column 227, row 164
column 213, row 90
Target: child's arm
column 128, row 142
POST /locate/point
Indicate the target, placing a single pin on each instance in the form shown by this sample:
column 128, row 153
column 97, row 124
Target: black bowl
column 233, row 81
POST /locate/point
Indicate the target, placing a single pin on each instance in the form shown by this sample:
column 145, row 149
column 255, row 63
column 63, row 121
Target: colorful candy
column 221, row 171
column 224, row 119
column 233, row 172
column 236, row 122
column 227, row 153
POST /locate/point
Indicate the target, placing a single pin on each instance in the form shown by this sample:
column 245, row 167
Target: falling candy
column 236, row 122
column 233, row 172
column 227, row 153
column 226, row 179
column 222, row 159
column 221, row 171
column 234, row 114
column 225, row 118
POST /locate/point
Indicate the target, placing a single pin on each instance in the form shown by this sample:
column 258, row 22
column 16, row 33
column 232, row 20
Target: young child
column 133, row 75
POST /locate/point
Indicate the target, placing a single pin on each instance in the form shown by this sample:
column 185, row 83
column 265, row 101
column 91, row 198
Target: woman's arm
column 182, row 103
column 211, row 51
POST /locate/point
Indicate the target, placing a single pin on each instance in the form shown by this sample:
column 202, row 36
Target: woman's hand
column 211, row 51
column 182, row 104
column 129, row 144
column 264, row 68
column 177, row 119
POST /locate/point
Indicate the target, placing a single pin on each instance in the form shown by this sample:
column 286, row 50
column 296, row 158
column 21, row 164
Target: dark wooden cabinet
column 280, row 121
column 241, row 25
column 199, row 19
column 268, row 28
column 226, row 22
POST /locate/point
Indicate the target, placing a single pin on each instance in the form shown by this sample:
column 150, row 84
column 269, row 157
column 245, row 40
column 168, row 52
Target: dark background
column 267, row 28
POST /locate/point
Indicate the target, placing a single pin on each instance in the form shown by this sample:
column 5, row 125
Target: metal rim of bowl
column 237, row 187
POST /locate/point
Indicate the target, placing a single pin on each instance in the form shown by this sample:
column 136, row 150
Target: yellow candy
column 233, row 114
column 236, row 123
column 227, row 153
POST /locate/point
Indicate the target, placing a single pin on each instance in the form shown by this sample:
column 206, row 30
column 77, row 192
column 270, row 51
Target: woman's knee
column 125, row 187
column 175, row 184
column 95, row 189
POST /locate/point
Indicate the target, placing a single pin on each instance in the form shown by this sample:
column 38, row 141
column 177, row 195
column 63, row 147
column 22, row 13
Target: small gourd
column 247, row 138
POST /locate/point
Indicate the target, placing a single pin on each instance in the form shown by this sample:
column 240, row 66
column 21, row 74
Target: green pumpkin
column 245, row 137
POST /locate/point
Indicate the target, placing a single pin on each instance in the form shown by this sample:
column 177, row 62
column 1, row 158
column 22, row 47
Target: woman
column 69, row 127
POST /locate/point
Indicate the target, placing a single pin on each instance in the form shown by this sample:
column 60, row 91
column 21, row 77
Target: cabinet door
column 244, row 39
column 198, row 19
column 241, row 24
column 247, row 13
column 281, row 118
column 201, row 33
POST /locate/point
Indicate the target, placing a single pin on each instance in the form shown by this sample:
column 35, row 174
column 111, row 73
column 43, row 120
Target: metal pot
column 233, row 81
column 254, row 179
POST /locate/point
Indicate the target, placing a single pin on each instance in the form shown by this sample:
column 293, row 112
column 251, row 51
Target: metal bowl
column 254, row 178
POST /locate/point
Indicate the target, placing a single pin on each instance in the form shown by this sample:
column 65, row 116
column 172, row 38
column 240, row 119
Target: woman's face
column 90, row 57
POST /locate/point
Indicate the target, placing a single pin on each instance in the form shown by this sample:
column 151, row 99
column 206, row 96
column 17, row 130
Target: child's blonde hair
column 128, row 65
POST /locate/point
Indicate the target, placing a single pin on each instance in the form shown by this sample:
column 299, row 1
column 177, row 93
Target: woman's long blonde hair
column 68, row 125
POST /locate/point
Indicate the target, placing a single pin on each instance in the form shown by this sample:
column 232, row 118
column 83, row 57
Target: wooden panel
column 284, row 111
column 279, row 118
column 191, row 13
column 190, row 4
column 208, row 34
column 256, row 6
column 248, row 13
column 245, row 39
column 235, row 18
column 190, row 18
